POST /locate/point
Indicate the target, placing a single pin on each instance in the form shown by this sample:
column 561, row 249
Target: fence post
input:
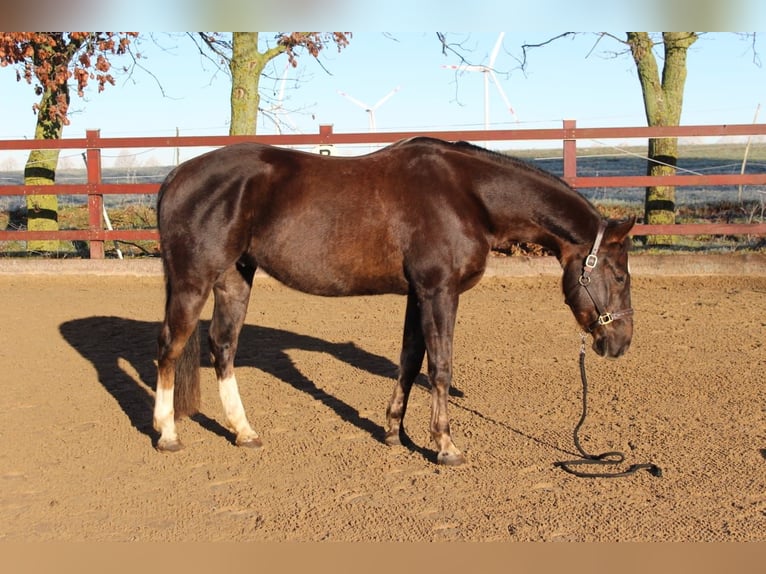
column 570, row 150
column 95, row 199
column 325, row 133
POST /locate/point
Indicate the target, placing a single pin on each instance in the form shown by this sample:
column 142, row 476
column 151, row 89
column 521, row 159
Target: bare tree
column 661, row 66
column 50, row 62
column 663, row 101
column 247, row 62
column 663, row 94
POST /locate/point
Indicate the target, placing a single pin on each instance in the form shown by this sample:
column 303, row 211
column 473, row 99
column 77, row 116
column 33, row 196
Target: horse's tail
column 186, row 394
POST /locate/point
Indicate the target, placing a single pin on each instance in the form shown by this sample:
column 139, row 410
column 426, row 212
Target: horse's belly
column 336, row 276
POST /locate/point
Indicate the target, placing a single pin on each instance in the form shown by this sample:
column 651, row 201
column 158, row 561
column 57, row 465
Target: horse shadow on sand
column 123, row 352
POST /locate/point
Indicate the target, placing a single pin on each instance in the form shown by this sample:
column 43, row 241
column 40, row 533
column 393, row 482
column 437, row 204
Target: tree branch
column 526, row 47
column 214, row 45
column 752, row 36
column 135, row 57
column 448, row 48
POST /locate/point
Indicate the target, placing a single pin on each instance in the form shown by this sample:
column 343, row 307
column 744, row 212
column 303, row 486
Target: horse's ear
column 618, row 230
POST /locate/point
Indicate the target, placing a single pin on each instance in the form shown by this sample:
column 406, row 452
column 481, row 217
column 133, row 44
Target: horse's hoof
column 393, row 439
column 251, row 442
column 168, row 446
column 450, row 458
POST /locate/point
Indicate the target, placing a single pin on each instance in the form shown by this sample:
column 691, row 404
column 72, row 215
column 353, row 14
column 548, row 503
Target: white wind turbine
column 488, row 72
column 279, row 115
column 371, row 109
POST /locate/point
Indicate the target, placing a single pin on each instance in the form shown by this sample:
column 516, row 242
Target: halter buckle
column 591, row 261
column 605, row 319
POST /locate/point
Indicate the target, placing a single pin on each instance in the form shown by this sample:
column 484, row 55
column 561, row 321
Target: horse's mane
column 509, row 160
column 490, row 155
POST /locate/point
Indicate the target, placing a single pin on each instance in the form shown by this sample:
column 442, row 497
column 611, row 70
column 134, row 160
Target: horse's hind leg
column 410, row 362
column 182, row 312
column 231, row 293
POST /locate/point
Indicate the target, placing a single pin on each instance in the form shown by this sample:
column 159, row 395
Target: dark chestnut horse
column 416, row 218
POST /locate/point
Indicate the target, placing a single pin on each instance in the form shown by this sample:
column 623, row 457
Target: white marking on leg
column 234, row 411
column 164, row 415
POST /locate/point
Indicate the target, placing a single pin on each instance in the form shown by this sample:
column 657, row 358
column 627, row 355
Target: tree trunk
column 663, row 101
column 246, row 71
column 40, row 169
column 247, row 65
column 246, row 68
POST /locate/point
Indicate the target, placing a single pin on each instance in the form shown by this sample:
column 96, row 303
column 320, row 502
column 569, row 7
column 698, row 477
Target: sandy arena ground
column 77, row 462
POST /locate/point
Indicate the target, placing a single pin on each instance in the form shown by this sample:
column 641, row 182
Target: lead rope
column 606, row 458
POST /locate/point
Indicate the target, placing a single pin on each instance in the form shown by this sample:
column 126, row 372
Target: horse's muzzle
column 610, row 345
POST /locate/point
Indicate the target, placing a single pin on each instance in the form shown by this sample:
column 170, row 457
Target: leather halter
column 591, row 261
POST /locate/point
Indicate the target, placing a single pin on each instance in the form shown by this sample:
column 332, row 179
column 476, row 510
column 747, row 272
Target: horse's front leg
column 438, row 314
column 410, row 362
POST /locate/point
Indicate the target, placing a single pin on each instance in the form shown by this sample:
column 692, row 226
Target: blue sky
column 568, row 79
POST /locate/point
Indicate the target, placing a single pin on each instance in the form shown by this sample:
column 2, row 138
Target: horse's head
column 596, row 285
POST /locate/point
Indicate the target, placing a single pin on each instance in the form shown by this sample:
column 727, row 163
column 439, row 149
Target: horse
column 417, row 218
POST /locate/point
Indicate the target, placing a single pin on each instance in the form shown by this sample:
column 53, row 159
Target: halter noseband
column 604, row 316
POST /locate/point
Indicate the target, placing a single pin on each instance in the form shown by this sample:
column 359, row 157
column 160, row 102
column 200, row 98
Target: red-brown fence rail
column 95, row 189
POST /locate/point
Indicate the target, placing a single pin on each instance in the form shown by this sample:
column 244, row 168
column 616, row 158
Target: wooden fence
column 569, row 134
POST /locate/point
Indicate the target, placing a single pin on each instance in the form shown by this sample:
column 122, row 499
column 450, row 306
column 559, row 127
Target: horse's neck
column 545, row 211
column 563, row 231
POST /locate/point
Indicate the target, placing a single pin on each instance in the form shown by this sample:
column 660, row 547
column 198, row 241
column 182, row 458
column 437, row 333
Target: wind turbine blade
column 502, row 94
column 287, row 120
column 282, row 83
column 464, row 67
column 355, row 101
column 386, row 97
column 496, row 50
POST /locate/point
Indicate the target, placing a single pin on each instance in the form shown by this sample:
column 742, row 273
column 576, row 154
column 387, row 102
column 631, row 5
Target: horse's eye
column 620, row 278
